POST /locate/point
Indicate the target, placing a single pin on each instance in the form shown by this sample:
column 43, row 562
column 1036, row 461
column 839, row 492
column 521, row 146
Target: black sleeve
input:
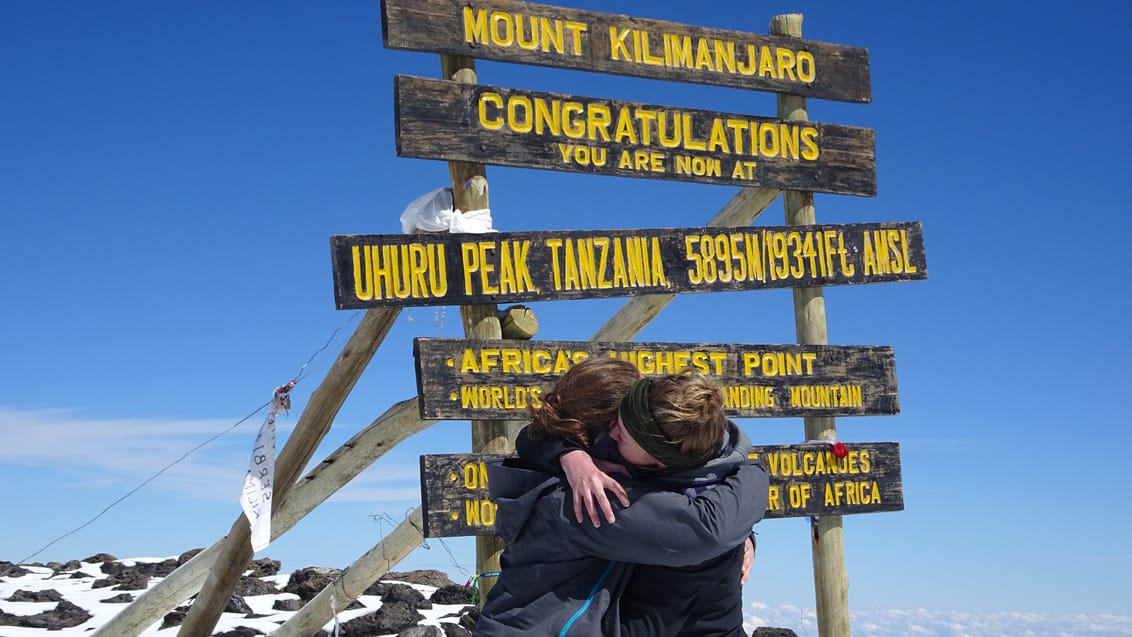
column 542, row 454
column 666, row 528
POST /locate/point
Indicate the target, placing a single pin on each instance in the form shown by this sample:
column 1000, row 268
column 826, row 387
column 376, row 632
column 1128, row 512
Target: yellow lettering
column 576, row 30
column 786, row 64
column 603, row 283
column 494, row 121
column 469, row 362
column 724, row 56
column 689, row 142
column 703, row 55
column 597, row 122
column 617, row 48
column 774, row 498
column 646, row 56
column 475, row 25
column 486, row 269
column 809, row 137
column 679, row 52
column 502, row 30
column 806, row 69
column 519, row 116
column 573, row 125
column 556, row 271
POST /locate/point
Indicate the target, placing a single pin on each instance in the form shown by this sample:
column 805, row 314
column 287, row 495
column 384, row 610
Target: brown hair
column 584, row 400
column 688, row 408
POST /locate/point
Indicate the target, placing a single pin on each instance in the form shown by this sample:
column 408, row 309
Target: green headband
column 638, row 421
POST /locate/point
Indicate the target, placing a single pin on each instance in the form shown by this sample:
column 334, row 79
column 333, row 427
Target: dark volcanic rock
column 469, row 616
column 377, row 588
column 454, row 630
column 187, row 555
column 288, row 604
column 236, row 604
column 127, row 580
column 79, row 575
column 773, row 632
column 452, row 594
column 156, row 569
column 101, row 557
column 239, row 631
column 390, row 618
column 308, row 582
column 64, row 615
column 265, row 567
column 175, row 617
column 131, row 581
column 426, row 577
column 407, row 594
column 72, row 565
column 8, row 569
column 7, row 619
column 421, row 631
column 112, row 567
column 120, row 598
column 249, row 586
column 46, row 595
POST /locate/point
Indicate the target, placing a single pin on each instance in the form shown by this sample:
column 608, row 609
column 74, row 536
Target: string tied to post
column 474, row 583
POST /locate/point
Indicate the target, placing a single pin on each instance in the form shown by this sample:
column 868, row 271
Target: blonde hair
column 688, row 408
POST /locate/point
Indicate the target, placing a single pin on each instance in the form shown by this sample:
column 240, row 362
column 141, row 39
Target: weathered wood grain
column 437, row 119
column 805, row 480
column 460, row 379
column 504, row 267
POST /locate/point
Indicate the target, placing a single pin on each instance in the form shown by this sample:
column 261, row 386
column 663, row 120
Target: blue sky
column 172, row 175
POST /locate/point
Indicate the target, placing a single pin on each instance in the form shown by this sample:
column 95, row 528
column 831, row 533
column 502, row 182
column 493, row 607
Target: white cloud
column 122, row 453
column 932, row 623
column 36, row 437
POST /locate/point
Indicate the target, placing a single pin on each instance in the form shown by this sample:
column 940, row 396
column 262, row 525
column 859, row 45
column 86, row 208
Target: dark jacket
column 564, row 578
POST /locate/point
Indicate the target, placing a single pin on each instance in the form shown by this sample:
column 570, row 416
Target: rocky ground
column 77, row 597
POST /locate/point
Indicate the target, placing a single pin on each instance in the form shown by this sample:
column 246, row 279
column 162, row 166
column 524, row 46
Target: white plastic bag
column 433, row 212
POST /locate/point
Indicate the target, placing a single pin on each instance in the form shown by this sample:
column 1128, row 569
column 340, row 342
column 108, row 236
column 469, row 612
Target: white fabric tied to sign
column 433, row 212
column 256, row 497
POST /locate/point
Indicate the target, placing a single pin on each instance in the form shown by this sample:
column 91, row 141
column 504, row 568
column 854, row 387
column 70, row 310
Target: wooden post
column 235, row 554
column 469, row 192
column 831, row 585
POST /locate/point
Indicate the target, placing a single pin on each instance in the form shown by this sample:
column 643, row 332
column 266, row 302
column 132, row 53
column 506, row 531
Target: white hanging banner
column 256, row 498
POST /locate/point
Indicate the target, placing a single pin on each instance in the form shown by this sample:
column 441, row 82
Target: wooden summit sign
column 498, row 379
column 508, row 267
column 438, row 119
column 805, row 480
column 527, row 33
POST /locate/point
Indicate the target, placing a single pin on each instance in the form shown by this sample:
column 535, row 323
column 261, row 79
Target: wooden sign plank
column 438, row 119
column 498, row 379
column 528, row 33
column 805, row 480
column 508, row 267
